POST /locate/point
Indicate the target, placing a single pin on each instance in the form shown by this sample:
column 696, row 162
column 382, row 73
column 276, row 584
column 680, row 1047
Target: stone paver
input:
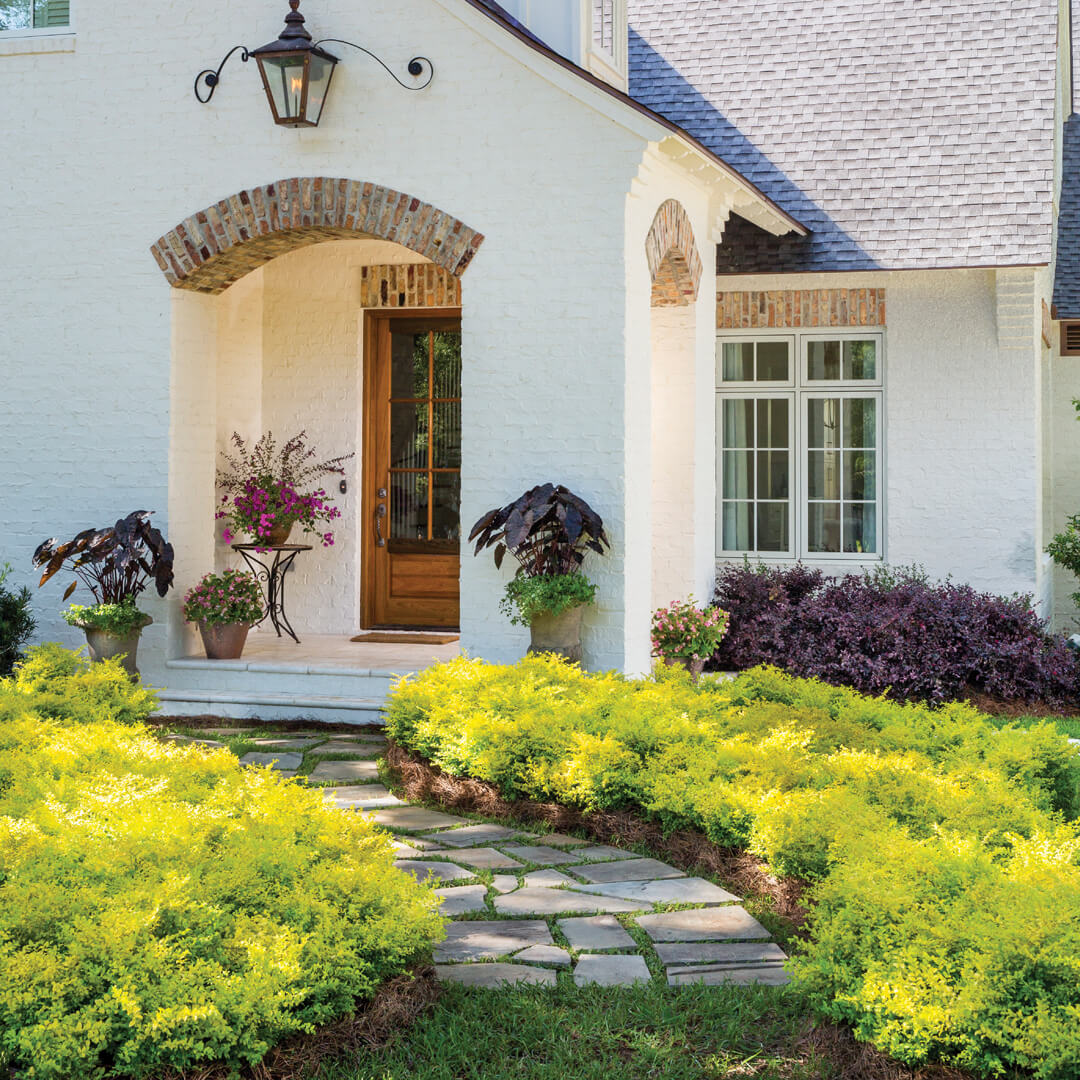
column 671, row 891
column 763, row 975
column 544, row 954
column 540, row 854
column 558, row 901
column 491, row 939
column 437, row 871
column 363, row 797
column 548, row 879
column 600, row 970
column 596, row 932
column 603, row 851
column 504, row 883
column 625, row 870
column 477, row 835
column 463, row 899
column 493, row 976
column 413, row 818
column 709, row 924
column 283, row 742
column 277, row 761
column 192, row 740
column 736, row 953
column 486, row 858
column 345, row 770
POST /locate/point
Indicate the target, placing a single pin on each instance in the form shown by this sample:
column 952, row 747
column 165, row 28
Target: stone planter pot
column 695, row 667
column 558, row 633
column 104, row 645
column 223, row 641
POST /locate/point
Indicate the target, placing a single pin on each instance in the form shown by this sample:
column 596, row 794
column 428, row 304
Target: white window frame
column 793, row 450
column 43, row 31
column 799, row 390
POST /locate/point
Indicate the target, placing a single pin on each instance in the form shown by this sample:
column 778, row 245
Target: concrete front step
column 246, row 705
column 280, row 677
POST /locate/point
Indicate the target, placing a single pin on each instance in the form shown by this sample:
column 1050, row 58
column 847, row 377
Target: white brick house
column 735, row 314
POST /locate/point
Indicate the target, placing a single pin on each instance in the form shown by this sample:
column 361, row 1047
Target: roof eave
column 755, row 205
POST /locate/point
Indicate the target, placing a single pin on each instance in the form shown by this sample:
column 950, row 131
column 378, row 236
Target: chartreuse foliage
column 162, row 907
column 942, row 851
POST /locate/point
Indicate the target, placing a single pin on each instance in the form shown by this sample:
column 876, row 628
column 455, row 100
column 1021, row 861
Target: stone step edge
column 267, row 668
column 292, row 701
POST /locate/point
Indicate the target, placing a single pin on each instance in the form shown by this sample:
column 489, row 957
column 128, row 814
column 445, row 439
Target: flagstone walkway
column 526, row 905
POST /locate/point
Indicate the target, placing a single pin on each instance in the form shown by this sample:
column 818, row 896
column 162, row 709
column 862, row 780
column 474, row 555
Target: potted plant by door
column 684, row 634
column 548, row 530
column 224, row 607
column 115, row 564
column 267, row 491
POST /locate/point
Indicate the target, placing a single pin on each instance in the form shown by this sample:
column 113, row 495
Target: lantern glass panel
column 319, row 73
column 285, row 81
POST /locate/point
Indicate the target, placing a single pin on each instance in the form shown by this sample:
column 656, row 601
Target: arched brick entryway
column 210, row 250
column 673, row 257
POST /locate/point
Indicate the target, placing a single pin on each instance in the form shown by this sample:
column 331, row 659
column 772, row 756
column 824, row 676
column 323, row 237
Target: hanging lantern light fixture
column 296, row 72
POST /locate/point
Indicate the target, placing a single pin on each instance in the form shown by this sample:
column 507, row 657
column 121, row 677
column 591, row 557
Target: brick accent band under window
column 210, row 250
column 409, row 285
column 787, row 308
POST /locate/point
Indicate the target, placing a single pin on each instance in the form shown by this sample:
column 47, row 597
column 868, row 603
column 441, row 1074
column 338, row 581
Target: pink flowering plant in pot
column 224, row 607
column 685, row 634
column 267, row 491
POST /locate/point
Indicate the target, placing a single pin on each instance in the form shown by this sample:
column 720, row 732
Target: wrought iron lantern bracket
column 210, row 78
column 416, row 65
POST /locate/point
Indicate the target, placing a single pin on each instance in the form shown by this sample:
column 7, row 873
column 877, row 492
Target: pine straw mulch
column 686, row 849
column 397, row 1005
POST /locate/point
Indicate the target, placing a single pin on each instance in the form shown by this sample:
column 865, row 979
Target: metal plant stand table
column 271, row 576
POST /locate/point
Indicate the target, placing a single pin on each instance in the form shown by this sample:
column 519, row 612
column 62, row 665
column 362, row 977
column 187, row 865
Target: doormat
column 390, row 637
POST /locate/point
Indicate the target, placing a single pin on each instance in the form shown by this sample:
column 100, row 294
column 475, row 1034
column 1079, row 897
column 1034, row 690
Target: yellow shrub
column 161, row 906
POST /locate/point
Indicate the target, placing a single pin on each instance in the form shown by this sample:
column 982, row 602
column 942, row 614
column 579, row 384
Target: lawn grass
column 1067, row 725
column 588, row 1033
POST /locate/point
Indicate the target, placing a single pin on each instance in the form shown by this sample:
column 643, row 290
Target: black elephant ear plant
column 548, row 530
column 116, row 564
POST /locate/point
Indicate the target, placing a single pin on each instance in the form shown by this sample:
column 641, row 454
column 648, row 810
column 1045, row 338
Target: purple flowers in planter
column 893, row 632
column 265, row 505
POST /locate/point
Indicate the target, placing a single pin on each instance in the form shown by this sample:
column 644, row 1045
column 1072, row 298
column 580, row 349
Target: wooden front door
column 412, row 469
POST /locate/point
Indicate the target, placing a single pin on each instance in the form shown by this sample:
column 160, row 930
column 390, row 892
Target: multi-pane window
column 799, row 445
column 34, row 14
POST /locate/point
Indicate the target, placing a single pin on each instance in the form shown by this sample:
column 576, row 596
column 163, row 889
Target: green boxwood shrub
column 16, row 621
column 160, row 906
column 942, row 851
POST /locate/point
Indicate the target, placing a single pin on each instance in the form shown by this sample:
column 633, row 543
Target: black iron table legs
column 270, row 573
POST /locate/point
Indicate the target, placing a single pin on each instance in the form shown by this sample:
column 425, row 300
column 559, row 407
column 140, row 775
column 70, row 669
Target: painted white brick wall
column 963, row 485
column 100, row 359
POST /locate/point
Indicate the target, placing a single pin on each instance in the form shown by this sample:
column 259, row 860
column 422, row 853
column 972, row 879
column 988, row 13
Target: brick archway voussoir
column 673, row 258
column 214, row 248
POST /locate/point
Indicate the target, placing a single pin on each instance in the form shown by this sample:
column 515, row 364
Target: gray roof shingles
column 1067, row 268
column 903, row 133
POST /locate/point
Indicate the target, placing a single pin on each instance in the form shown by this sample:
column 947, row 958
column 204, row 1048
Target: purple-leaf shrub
column 892, row 632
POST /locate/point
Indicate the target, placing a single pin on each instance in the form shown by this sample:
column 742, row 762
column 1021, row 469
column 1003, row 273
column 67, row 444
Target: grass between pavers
column 592, row 1033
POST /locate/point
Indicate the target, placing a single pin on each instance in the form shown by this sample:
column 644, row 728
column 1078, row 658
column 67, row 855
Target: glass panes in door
column 425, row 437
column 755, row 474
column 842, row 450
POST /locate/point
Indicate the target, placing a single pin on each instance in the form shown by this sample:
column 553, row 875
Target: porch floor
column 327, row 653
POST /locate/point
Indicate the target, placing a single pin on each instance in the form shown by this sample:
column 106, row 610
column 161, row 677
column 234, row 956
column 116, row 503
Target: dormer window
column 34, row 15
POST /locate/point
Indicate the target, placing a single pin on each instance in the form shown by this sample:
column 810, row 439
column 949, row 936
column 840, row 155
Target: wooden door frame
column 372, row 318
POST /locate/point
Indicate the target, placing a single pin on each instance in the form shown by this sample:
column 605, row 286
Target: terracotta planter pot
column 558, row 634
column 279, row 535
column 695, row 667
column 104, row 645
column 224, row 641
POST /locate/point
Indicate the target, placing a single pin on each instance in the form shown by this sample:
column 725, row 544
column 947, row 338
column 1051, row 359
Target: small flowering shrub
column 942, row 853
column 683, row 631
column 223, row 599
column 267, row 488
column 892, row 632
column 162, row 908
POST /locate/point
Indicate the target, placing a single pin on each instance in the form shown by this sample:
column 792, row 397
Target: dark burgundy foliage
column 548, row 530
column 115, row 563
column 893, row 632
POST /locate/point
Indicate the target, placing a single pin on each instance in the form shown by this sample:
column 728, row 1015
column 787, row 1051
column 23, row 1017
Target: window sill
column 30, row 44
